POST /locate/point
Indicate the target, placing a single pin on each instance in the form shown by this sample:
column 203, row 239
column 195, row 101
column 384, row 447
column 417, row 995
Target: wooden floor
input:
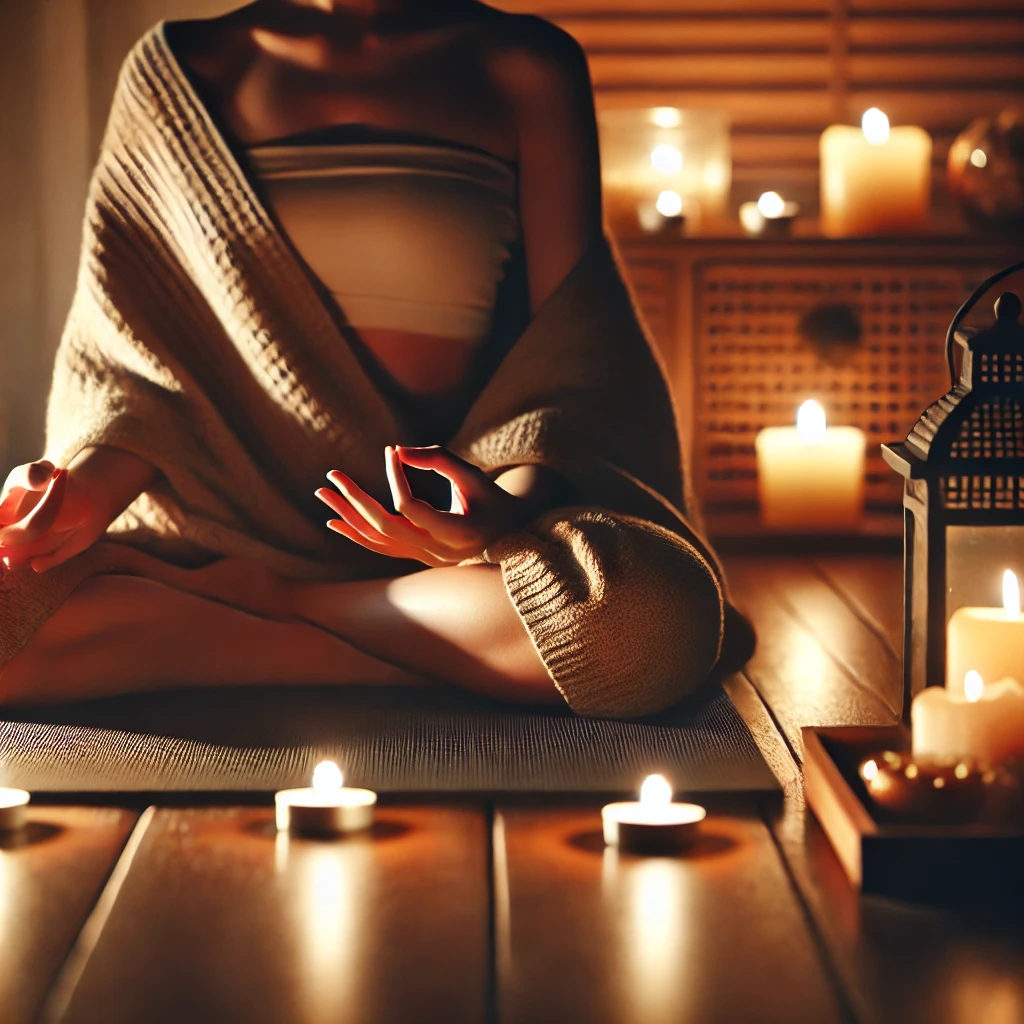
column 514, row 911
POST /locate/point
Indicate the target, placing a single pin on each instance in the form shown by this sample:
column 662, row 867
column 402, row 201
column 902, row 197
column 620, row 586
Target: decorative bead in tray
column 910, row 841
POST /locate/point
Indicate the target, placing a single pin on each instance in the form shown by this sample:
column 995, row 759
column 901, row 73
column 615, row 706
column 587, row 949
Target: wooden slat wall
column 785, row 69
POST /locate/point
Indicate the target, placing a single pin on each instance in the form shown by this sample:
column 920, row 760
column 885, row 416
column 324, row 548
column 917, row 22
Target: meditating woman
column 360, row 239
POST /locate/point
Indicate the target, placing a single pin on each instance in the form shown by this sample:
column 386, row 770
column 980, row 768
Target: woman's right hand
column 48, row 515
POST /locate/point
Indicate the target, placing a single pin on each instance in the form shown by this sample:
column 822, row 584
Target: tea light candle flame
column 669, row 203
column 974, row 686
column 875, row 126
column 1011, row 595
column 810, row 422
column 327, row 778
column 869, row 770
column 771, row 205
column 655, row 792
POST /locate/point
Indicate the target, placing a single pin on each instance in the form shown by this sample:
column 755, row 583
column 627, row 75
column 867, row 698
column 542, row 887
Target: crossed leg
column 117, row 634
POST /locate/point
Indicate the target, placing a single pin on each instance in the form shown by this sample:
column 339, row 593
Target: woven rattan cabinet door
column 753, row 368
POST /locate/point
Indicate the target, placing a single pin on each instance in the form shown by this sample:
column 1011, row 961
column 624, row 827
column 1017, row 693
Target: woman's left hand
column 481, row 511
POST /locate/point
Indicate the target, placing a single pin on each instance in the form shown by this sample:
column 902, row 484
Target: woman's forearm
column 115, row 476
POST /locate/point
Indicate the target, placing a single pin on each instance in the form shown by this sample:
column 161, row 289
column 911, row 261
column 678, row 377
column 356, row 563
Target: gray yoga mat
column 389, row 739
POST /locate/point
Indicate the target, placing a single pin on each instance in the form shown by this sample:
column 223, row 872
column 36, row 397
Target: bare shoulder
column 533, row 57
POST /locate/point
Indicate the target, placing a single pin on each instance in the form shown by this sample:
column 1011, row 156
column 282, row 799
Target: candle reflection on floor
column 649, row 896
column 327, row 882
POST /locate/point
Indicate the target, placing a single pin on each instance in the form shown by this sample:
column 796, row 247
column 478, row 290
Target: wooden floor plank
column 873, row 585
column 584, row 933
column 816, row 663
column 220, row 919
column 50, row 876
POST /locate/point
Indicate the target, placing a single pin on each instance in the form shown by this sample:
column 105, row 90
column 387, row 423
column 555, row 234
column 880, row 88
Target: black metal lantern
column 963, row 499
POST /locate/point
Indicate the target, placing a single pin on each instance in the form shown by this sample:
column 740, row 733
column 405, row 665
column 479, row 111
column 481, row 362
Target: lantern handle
column 967, row 307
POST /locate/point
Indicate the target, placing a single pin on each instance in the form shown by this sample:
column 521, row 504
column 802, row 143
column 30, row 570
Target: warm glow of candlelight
column 869, row 770
column 655, row 792
column 327, row 778
column 666, row 159
column 978, row 158
column 810, row 422
column 666, row 117
column 1011, row 595
column 771, row 205
column 974, row 686
column 669, row 203
column 875, row 126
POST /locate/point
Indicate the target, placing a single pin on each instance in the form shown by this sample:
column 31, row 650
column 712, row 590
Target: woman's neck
column 345, row 21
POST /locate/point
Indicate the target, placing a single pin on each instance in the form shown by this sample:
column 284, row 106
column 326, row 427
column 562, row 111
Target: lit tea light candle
column 666, row 213
column 988, row 640
column 875, row 180
column 770, row 217
column 654, row 824
column 983, row 722
column 13, row 809
column 810, row 476
column 325, row 808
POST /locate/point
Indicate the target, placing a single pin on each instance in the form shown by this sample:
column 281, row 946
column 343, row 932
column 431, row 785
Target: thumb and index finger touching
column 464, row 476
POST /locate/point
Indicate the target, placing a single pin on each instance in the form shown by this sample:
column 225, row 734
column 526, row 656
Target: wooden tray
column 930, row 863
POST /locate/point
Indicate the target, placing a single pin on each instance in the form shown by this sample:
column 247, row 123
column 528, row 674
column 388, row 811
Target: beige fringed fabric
column 198, row 340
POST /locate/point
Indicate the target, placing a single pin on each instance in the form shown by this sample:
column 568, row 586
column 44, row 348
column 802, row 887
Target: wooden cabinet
column 750, row 329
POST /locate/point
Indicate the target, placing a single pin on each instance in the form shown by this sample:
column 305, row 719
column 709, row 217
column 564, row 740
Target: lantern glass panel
column 976, row 558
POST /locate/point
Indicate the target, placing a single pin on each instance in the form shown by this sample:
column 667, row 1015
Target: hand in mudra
column 48, row 515
column 481, row 511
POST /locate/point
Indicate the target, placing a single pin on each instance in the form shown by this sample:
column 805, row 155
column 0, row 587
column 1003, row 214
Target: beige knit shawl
column 198, row 340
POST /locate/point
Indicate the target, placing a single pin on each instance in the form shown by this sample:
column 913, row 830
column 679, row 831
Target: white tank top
column 405, row 235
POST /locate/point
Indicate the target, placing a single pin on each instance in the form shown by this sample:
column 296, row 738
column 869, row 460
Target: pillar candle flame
column 1011, row 595
column 810, row 422
column 655, row 792
column 974, row 686
column 875, row 126
column 327, row 777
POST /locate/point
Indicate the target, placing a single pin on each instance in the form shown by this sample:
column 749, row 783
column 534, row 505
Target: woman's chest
column 447, row 93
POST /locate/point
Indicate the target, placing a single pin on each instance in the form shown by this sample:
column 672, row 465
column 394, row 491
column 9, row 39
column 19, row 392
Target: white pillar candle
column 325, row 808
column 654, row 824
column 810, row 476
column 874, row 180
column 988, row 640
column 13, row 809
column 983, row 722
